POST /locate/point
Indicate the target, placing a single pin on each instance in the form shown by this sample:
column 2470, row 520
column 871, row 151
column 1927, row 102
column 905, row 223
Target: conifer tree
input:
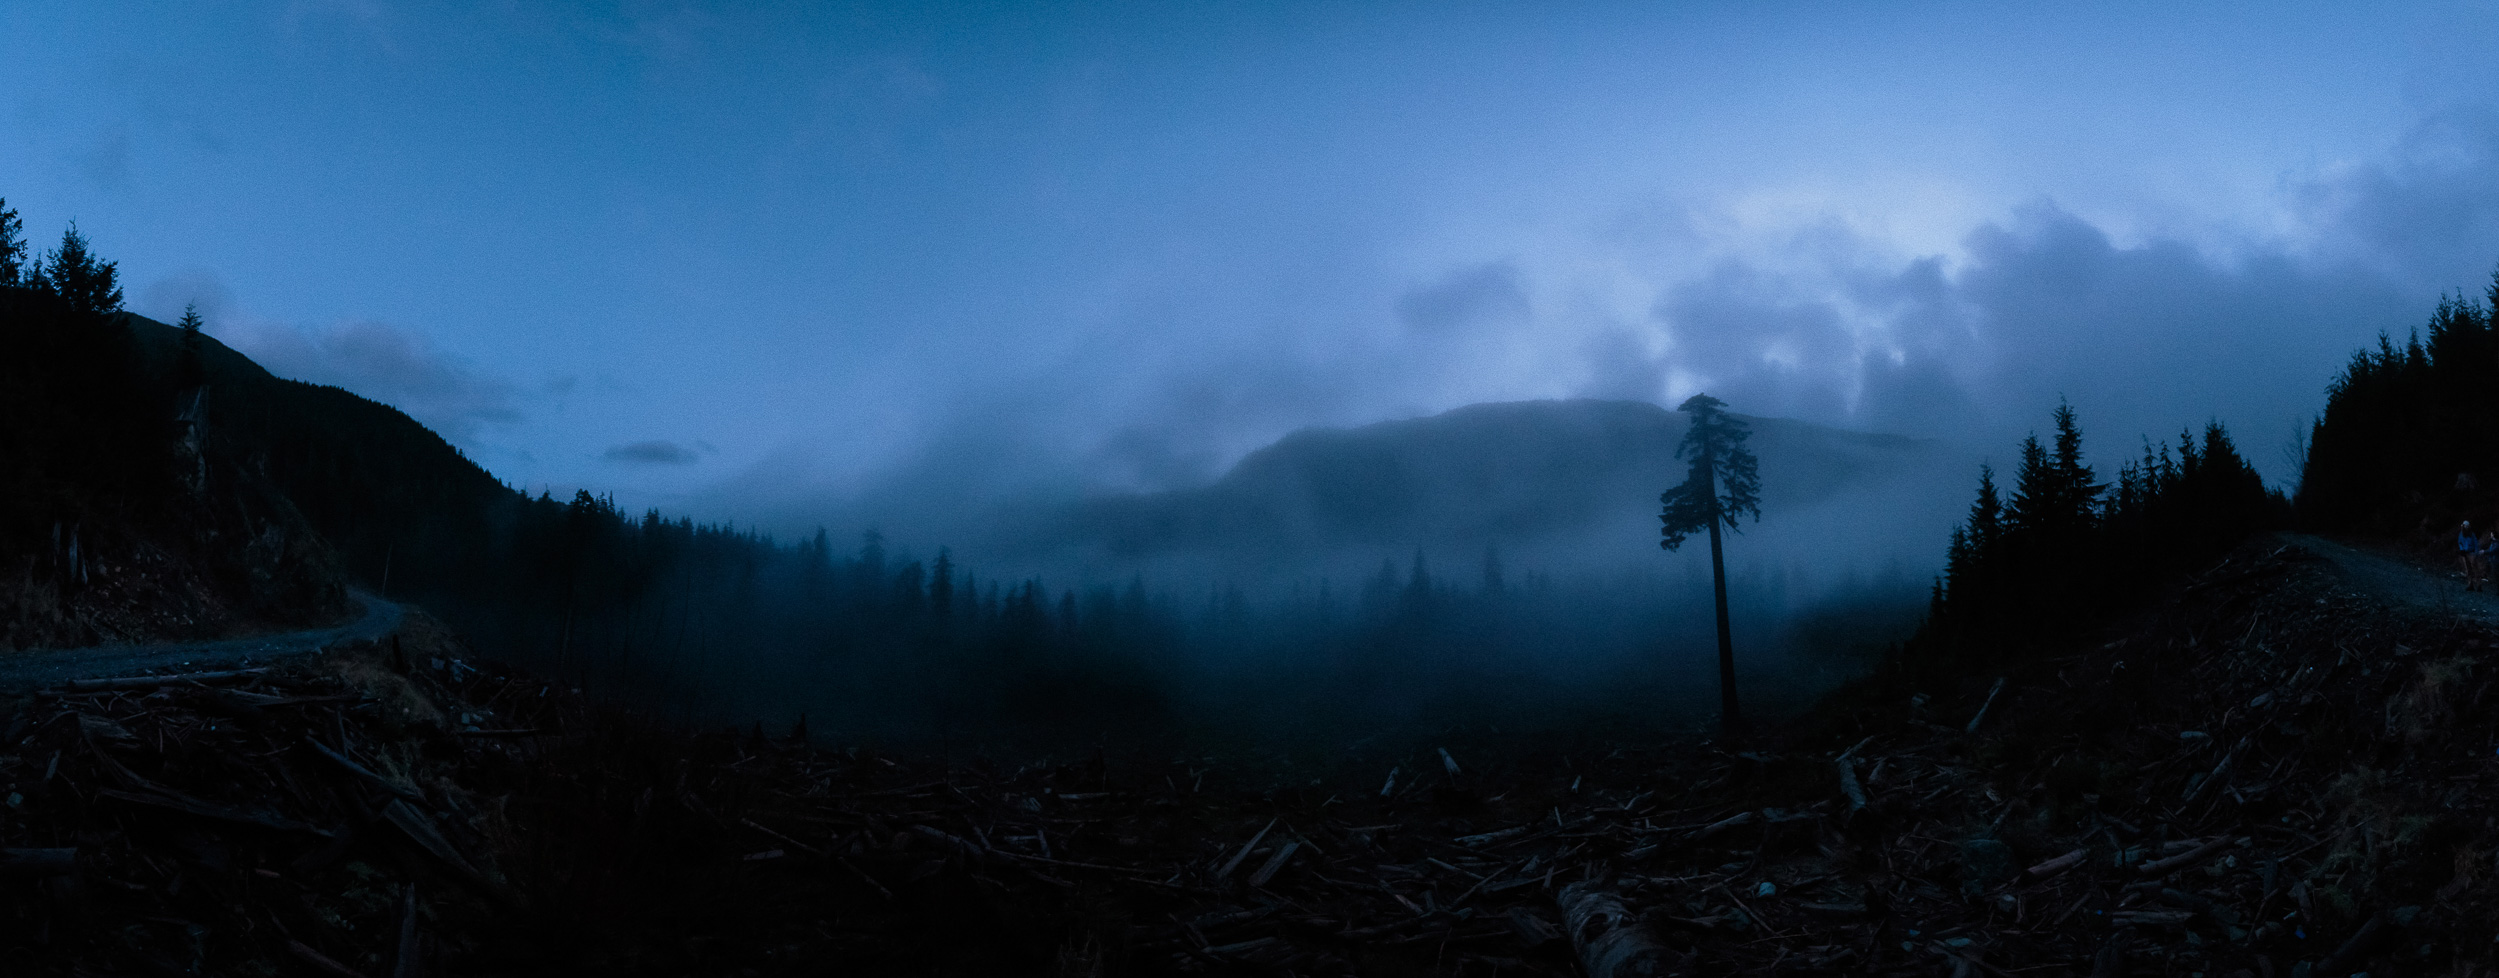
column 13, row 258
column 188, row 373
column 1724, row 484
column 2034, row 488
column 1986, row 512
column 90, row 285
column 2078, row 491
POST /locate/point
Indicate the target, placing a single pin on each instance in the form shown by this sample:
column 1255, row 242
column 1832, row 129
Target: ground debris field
column 2276, row 773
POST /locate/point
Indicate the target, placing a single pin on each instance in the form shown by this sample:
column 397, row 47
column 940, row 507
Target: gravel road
column 49, row 667
column 2402, row 578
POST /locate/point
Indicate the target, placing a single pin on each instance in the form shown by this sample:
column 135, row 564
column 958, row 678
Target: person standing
column 2467, row 560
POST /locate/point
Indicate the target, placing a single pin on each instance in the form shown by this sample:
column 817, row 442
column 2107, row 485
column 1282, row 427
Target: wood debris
column 2321, row 822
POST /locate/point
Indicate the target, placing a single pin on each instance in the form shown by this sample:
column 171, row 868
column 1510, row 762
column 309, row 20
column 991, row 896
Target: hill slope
column 1506, row 474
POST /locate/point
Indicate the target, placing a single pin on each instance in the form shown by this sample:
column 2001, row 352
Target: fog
column 1491, row 567
column 1223, row 301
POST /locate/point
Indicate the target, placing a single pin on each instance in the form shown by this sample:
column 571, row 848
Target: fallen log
column 966, row 847
column 2357, row 948
column 364, row 773
column 2162, row 867
column 1237, row 857
column 2054, row 866
column 1849, row 786
column 1611, row 942
column 1284, row 853
column 404, row 963
column 159, row 796
column 152, row 682
column 37, row 862
column 1735, row 821
column 1481, row 840
column 1982, row 708
column 1533, row 931
column 420, row 829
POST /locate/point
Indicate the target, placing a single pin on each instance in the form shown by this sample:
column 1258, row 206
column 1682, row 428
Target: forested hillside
column 117, row 521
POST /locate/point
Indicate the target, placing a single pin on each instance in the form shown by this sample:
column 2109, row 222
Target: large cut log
column 1611, row 942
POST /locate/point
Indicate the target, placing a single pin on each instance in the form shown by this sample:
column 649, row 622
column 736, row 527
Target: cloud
column 652, row 452
column 2427, row 214
column 1489, row 294
column 2145, row 327
column 2143, row 337
column 163, row 300
column 386, row 363
column 107, row 160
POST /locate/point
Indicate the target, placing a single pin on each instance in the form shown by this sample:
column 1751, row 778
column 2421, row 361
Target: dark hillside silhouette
column 114, row 523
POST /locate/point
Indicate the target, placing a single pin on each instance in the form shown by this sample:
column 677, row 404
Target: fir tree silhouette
column 1724, row 484
column 90, row 285
column 13, row 259
column 187, row 370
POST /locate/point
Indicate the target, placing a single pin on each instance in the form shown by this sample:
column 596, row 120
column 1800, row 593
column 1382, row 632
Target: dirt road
column 2402, row 579
column 48, row 667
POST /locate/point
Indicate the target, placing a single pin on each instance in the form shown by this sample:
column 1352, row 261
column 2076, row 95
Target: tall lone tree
column 1725, row 484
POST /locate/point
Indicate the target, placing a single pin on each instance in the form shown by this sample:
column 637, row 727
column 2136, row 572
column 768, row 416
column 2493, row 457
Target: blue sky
column 780, row 262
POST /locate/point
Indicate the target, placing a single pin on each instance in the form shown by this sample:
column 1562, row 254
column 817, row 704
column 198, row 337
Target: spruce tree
column 13, row 258
column 90, row 285
column 2078, row 492
column 188, row 373
column 1986, row 513
column 2034, row 488
column 1724, row 484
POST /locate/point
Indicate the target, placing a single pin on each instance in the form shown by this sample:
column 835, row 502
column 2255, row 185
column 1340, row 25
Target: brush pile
column 2275, row 774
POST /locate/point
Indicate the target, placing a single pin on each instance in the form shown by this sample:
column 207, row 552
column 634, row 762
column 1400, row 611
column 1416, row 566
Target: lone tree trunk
column 1730, row 718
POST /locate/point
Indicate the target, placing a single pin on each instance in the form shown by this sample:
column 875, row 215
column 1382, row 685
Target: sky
column 777, row 263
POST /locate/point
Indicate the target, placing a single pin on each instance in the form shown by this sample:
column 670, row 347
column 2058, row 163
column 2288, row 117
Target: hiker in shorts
column 2467, row 556
column 2490, row 556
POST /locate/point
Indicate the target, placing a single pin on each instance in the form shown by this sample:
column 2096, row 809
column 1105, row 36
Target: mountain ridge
column 1487, row 472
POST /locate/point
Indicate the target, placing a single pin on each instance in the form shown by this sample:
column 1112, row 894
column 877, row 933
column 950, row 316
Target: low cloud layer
column 653, row 452
column 2144, row 332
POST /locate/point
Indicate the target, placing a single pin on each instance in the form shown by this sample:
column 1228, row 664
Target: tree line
column 2410, row 432
column 2062, row 548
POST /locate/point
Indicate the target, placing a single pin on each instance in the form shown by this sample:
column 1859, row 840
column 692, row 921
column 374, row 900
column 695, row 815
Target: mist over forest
column 1487, row 567
column 1493, row 565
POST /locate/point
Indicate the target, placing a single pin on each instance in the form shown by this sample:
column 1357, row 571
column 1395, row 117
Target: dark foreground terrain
column 2284, row 770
